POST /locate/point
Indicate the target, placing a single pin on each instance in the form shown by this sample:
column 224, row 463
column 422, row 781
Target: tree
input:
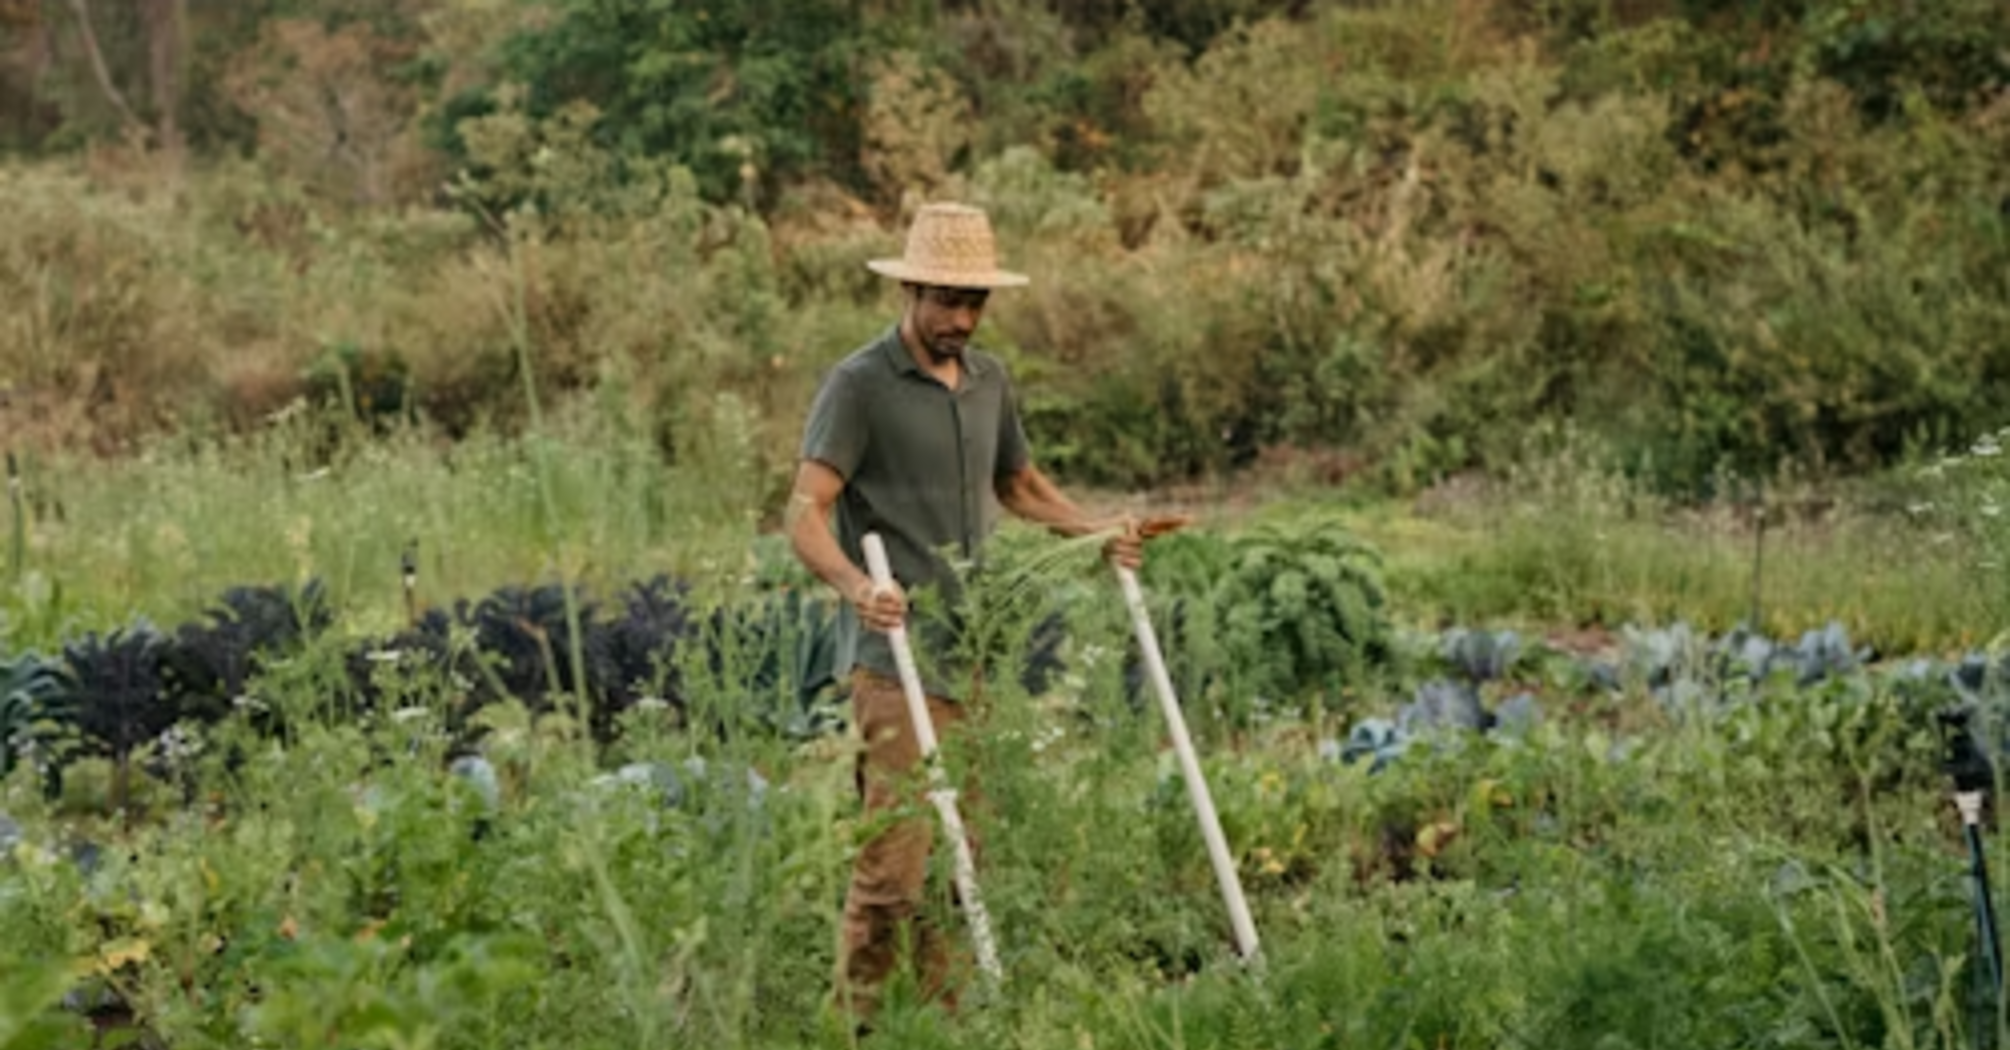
column 151, row 35
column 746, row 93
column 326, row 113
column 26, row 52
column 166, row 22
column 87, row 37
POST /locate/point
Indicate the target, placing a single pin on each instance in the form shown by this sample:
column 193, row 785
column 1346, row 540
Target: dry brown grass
column 103, row 336
column 1379, row 231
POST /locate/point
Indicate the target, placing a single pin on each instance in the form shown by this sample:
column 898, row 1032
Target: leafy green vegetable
column 1305, row 608
column 35, row 705
column 120, row 700
column 211, row 662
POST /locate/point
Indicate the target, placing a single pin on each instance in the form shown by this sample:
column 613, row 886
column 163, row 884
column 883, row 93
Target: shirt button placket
column 962, row 474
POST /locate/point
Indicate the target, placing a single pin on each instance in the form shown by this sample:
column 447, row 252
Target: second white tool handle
column 939, row 792
column 1189, row 763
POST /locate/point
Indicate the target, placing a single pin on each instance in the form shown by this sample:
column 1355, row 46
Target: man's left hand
column 1127, row 548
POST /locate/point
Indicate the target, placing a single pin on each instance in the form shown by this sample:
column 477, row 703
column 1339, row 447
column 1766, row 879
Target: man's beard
column 942, row 351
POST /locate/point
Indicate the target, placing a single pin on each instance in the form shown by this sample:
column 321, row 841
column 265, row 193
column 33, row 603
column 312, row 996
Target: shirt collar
column 902, row 361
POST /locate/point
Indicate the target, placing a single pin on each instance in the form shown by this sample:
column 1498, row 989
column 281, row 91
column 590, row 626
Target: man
column 915, row 436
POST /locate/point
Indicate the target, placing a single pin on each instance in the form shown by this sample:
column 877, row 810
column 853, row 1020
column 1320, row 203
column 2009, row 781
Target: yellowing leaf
column 1432, row 838
column 1489, row 792
column 119, row 953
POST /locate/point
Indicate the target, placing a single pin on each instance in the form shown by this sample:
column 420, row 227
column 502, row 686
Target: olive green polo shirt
column 919, row 462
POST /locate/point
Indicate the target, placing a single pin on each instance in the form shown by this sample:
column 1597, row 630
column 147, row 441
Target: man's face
column 944, row 319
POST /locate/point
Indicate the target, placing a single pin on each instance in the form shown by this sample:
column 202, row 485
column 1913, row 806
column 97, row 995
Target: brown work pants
column 882, row 910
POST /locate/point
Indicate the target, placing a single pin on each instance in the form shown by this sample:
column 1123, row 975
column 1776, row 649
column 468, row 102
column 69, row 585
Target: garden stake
column 939, row 791
column 1196, row 786
column 18, row 552
column 408, row 567
column 1758, row 552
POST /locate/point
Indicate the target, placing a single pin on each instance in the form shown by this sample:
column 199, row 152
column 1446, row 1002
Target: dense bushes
column 1716, row 241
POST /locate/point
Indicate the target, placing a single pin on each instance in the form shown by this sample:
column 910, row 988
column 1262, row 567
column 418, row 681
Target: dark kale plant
column 121, row 701
column 209, row 666
column 638, row 651
column 522, row 633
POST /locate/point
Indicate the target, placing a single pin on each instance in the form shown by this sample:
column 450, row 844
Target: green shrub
column 747, row 95
column 1720, row 236
column 1303, row 611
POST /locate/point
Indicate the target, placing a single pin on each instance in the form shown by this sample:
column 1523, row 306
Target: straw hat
column 950, row 245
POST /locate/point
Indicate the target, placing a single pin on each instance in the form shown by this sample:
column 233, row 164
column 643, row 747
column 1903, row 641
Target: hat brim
column 901, row 270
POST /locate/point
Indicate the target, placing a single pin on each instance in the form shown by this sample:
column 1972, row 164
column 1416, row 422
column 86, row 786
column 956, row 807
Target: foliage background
column 1718, row 237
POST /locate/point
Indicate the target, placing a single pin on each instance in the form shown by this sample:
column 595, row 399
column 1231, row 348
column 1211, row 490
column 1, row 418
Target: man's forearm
column 810, row 535
column 1032, row 496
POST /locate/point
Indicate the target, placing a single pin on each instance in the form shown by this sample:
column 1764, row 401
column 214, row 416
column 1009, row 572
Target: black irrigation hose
column 1974, row 777
column 1985, row 908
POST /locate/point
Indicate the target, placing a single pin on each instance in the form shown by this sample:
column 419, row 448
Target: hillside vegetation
column 1714, row 236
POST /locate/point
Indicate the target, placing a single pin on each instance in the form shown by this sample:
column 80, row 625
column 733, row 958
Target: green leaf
column 29, row 1017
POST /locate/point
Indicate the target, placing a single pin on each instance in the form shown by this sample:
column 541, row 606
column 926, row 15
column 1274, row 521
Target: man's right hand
column 881, row 609
column 816, row 491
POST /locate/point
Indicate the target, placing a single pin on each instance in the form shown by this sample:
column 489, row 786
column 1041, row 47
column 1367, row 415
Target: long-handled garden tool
column 1196, row 785
column 939, row 791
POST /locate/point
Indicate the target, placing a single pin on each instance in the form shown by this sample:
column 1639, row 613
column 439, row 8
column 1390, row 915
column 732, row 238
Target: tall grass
column 164, row 531
column 1565, row 541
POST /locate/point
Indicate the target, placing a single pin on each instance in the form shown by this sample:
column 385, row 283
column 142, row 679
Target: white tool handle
column 939, row 792
column 1196, row 786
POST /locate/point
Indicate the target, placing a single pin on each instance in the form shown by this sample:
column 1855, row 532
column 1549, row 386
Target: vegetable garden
column 345, row 808
column 407, row 664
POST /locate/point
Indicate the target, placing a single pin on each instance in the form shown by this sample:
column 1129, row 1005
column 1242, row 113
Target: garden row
column 137, row 689
column 1273, row 623
column 760, row 662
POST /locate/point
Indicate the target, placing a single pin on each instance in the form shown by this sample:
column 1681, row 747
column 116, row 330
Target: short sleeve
column 1014, row 451
column 835, row 434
